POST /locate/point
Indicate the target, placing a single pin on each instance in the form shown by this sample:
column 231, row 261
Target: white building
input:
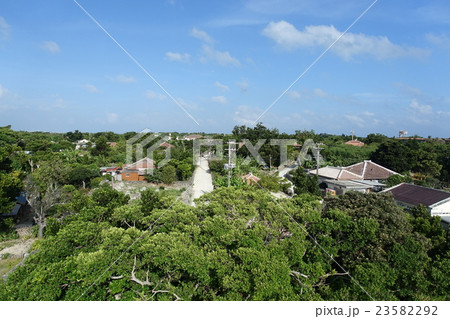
column 436, row 201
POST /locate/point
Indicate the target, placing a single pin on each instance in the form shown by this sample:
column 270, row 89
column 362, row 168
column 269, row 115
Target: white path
column 202, row 180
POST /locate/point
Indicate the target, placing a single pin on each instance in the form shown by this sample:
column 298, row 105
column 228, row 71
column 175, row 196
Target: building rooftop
column 415, row 195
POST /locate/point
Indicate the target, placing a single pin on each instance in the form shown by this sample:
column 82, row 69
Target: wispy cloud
column 243, row 85
column 245, row 115
column 178, row 57
column 210, row 53
column 201, row 35
column 4, row 29
column 441, row 41
column 288, row 37
column 423, row 109
column 221, row 86
column 111, row 117
column 219, row 99
column 222, row 57
column 3, row 91
column 122, row 79
column 320, row 93
column 355, row 119
column 50, row 46
column 294, row 95
column 90, row 88
column 154, row 96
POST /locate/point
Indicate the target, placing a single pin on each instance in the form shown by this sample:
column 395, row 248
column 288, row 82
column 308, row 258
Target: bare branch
column 140, row 282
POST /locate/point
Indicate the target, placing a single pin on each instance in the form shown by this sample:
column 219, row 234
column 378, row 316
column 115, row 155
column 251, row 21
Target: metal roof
column 415, row 195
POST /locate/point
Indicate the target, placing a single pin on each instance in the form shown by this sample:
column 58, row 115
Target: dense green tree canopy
column 236, row 244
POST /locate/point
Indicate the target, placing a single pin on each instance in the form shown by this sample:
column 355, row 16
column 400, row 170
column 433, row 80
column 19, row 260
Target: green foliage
column 237, row 244
column 304, row 183
column 217, row 167
column 273, row 183
column 7, row 230
column 79, row 174
column 101, row 147
column 168, row 174
column 398, row 179
column 345, row 155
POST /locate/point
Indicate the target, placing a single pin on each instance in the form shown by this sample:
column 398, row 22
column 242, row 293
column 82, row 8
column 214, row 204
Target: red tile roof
column 370, row 170
column 165, row 144
column 144, row 163
column 355, row 143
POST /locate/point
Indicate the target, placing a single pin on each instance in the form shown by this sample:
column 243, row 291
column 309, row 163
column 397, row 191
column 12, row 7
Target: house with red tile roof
column 363, row 177
column 354, row 143
column 137, row 171
column 250, row 179
column 193, row 137
column 166, row 145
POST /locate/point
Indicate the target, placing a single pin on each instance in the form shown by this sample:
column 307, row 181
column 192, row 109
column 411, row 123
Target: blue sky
column 225, row 63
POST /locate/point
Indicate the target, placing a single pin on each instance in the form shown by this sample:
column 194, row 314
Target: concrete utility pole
column 231, row 149
column 317, row 148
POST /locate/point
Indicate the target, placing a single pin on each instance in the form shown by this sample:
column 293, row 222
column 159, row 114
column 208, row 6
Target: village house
column 111, row 170
column 166, row 145
column 250, row 179
column 354, row 143
column 436, row 201
column 82, row 144
column 192, row 137
column 137, row 171
column 364, row 177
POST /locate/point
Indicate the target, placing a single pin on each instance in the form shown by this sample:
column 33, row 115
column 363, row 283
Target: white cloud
column 369, row 114
column 421, row 108
column 3, row 91
column 4, row 29
column 243, row 85
column 219, row 99
column 112, row 117
column 221, row 86
column 50, row 46
column 350, row 45
column 294, row 95
column 223, row 58
column 122, row 79
column 439, row 40
column 201, row 35
column 154, row 96
column 246, row 115
column 320, row 93
column 355, row 119
column 90, row 88
column 178, row 57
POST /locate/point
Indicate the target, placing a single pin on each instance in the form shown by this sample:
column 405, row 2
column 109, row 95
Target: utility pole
column 317, row 148
column 353, row 133
column 231, row 149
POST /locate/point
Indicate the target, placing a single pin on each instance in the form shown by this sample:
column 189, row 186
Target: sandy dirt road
column 202, row 180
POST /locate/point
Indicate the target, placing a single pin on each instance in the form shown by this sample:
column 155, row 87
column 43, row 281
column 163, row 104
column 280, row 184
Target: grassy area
column 8, row 243
column 172, row 192
column 8, row 264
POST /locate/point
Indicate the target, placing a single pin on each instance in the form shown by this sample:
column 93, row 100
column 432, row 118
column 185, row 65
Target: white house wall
column 442, row 209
